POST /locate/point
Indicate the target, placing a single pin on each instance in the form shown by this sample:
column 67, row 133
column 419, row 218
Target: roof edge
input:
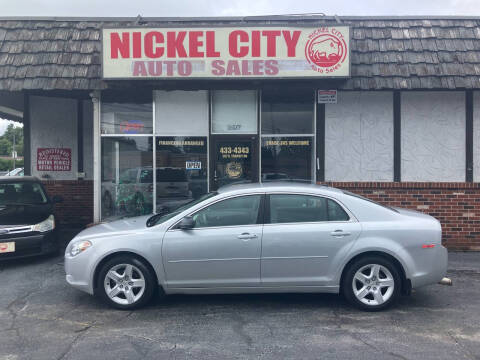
column 239, row 18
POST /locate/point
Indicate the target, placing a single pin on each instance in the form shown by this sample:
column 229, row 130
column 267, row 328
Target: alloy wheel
column 124, row 284
column 373, row 284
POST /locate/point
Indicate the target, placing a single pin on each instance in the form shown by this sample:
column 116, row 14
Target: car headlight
column 46, row 225
column 79, row 247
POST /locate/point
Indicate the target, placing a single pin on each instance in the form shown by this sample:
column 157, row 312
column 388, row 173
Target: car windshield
column 367, row 199
column 25, row 193
column 162, row 217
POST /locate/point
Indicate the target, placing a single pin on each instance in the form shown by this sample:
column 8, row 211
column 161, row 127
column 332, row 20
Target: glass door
column 234, row 160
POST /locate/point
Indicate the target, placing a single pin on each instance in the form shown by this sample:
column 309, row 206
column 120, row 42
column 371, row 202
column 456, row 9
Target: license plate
column 7, row 247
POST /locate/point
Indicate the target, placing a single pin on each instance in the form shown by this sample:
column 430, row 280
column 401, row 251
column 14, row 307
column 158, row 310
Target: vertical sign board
column 54, row 159
column 327, row 96
column 226, row 52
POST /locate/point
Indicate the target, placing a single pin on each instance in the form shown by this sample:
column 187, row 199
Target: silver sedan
column 276, row 237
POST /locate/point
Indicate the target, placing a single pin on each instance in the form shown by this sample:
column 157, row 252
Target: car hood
column 115, row 228
column 14, row 214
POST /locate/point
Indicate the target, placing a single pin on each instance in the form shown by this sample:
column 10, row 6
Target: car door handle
column 340, row 233
column 247, row 236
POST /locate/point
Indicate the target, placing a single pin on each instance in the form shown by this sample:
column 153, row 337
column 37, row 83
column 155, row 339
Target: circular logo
column 234, row 170
column 325, row 49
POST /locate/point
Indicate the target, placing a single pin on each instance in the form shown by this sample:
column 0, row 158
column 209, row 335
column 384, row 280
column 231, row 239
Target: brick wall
column 76, row 210
column 455, row 205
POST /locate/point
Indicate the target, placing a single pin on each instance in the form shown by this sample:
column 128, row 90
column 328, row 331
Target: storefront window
column 127, row 178
column 287, row 158
column 182, row 169
column 126, row 113
column 287, row 111
column 234, row 112
column 181, row 113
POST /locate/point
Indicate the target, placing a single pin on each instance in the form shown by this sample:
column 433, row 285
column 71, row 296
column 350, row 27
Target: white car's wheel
column 125, row 282
column 372, row 283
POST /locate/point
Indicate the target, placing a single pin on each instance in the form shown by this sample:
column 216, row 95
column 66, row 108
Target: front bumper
column 31, row 244
column 78, row 274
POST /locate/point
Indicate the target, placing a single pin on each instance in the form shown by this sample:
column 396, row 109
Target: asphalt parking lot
column 43, row 318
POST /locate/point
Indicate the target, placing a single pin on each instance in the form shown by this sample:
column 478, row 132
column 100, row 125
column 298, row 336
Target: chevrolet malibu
column 262, row 238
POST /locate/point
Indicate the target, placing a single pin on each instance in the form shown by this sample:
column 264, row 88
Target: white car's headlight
column 46, row 225
column 78, row 247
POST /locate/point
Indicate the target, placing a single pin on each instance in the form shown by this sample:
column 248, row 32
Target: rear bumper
column 34, row 244
column 435, row 268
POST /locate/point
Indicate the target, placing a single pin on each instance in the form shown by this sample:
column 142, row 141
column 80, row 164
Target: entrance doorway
column 233, row 160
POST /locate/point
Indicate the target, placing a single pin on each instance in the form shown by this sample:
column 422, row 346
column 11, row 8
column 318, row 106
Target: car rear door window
column 336, row 212
column 290, row 208
column 242, row 210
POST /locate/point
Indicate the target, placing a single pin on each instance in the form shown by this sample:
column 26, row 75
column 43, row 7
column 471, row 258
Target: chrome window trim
column 212, row 203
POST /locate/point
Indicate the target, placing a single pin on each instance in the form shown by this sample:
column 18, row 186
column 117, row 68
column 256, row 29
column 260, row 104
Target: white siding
column 53, row 125
column 359, row 137
column 476, row 136
column 433, row 136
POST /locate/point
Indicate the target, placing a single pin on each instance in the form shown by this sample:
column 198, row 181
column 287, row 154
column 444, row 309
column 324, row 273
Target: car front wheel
column 372, row 283
column 125, row 283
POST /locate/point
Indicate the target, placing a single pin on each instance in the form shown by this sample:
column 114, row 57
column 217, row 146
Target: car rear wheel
column 125, row 283
column 372, row 283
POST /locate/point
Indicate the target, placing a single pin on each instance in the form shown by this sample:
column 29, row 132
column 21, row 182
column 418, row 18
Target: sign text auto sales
column 226, row 52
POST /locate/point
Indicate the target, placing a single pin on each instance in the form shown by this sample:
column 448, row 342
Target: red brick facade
column 456, row 205
column 76, row 210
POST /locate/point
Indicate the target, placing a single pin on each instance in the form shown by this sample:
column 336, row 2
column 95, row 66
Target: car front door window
column 236, row 211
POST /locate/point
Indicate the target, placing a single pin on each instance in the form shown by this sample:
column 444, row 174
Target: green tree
column 6, row 141
column 5, row 147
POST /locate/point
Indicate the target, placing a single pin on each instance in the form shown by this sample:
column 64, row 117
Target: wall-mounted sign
column 54, row 159
column 226, row 52
column 132, row 127
column 327, row 96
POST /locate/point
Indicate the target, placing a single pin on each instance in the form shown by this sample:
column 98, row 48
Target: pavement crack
column 80, row 333
column 357, row 337
column 465, row 351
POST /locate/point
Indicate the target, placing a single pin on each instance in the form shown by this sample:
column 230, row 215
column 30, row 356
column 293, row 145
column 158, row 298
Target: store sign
column 132, row 127
column 193, row 165
column 54, row 159
column 327, row 96
column 229, row 52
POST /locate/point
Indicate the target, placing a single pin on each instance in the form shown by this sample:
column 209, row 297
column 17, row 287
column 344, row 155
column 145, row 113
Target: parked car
column 273, row 237
column 27, row 220
column 16, row 172
column 133, row 194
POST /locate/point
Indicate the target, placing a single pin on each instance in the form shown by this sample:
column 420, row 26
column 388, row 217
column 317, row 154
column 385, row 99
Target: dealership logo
column 326, row 50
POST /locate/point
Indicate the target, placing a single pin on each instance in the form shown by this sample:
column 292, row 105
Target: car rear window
column 369, row 200
column 22, row 193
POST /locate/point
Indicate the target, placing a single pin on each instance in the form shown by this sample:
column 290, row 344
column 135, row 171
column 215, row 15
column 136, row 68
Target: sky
column 235, row 7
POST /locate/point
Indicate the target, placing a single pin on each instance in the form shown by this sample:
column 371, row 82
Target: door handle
column 339, row 233
column 247, row 236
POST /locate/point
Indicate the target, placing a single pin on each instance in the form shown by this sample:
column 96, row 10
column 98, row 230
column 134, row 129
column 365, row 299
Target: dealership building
column 129, row 116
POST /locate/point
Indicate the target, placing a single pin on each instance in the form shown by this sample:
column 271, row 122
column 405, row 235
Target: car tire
column 372, row 283
column 125, row 282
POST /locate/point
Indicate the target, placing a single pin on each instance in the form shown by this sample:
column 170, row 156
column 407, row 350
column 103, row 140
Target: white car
column 274, row 237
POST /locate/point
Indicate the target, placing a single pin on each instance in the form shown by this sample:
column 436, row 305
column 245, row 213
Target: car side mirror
column 57, row 199
column 187, row 223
